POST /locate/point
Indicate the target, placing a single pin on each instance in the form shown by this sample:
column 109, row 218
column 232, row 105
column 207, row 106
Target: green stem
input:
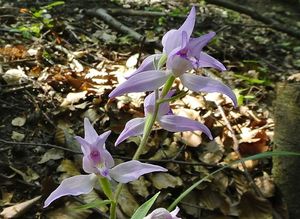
column 112, row 210
column 150, row 120
column 167, row 87
column 105, row 185
column 181, row 94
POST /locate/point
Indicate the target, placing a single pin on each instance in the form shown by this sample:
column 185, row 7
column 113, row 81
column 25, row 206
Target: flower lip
column 95, row 156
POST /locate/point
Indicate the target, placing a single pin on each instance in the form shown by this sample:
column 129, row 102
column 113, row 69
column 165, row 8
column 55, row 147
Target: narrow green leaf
column 94, row 204
column 142, row 211
column 53, row 4
column 254, row 157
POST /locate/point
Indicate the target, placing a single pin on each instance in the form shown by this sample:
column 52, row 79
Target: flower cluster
column 98, row 162
column 181, row 53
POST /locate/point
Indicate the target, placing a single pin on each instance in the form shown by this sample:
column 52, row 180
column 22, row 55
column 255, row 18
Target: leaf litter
column 69, row 81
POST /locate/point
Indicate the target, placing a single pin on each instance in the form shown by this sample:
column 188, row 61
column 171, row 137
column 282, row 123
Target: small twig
column 141, row 47
column 19, row 181
column 131, row 12
column 236, row 149
column 40, row 144
column 172, row 160
column 36, row 103
column 16, row 88
column 102, row 14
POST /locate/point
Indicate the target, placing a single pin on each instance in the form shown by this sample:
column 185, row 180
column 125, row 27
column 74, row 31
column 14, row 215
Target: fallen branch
column 102, row 14
column 132, row 12
column 256, row 16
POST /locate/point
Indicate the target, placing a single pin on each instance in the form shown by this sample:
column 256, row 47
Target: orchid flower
column 98, row 162
column 165, row 118
column 162, row 213
column 183, row 54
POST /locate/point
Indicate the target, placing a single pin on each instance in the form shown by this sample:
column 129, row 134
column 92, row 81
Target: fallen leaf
column 15, row 76
column 266, row 185
column 212, row 200
column 140, row 186
column 255, row 144
column 165, row 180
column 19, row 209
column 73, row 98
column 17, row 136
column 69, row 212
column 132, row 61
column 212, row 154
column 127, row 202
column 262, row 208
column 52, row 154
column 18, row 121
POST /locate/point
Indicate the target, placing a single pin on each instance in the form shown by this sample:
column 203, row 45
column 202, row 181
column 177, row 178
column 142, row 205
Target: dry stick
column 256, row 16
column 101, row 13
column 132, row 12
column 40, row 144
column 236, row 149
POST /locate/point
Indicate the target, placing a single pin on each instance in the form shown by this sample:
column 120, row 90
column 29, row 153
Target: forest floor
column 59, row 63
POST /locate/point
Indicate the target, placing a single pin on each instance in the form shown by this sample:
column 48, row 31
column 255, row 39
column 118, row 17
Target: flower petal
column 196, row 45
column 205, row 84
column 159, row 213
column 189, row 23
column 132, row 170
column 88, row 165
column 173, row 123
column 143, row 81
column 101, row 139
column 173, row 38
column 133, row 127
column 179, row 64
column 149, row 104
column 163, row 213
column 206, row 60
column 147, row 65
column 108, row 159
column 175, row 212
column 90, row 134
column 85, row 146
column 75, row 185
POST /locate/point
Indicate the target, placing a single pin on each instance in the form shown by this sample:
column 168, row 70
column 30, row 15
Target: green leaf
column 254, row 157
column 142, row 211
column 53, row 4
column 240, row 97
column 252, row 80
column 94, row 204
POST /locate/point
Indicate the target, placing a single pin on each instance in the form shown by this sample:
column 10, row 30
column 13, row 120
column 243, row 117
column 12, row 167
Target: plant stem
column 112, row 210
column 150, row 120
column 105, row 185
column 167, row 87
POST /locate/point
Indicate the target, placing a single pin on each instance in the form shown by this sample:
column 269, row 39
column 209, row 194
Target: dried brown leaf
column 253, row 207
column 19, row 209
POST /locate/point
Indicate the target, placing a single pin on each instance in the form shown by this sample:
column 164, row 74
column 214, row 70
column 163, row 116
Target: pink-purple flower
column 98, row 162
column 162, row 213
column 165, row 118
column 183, row 54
